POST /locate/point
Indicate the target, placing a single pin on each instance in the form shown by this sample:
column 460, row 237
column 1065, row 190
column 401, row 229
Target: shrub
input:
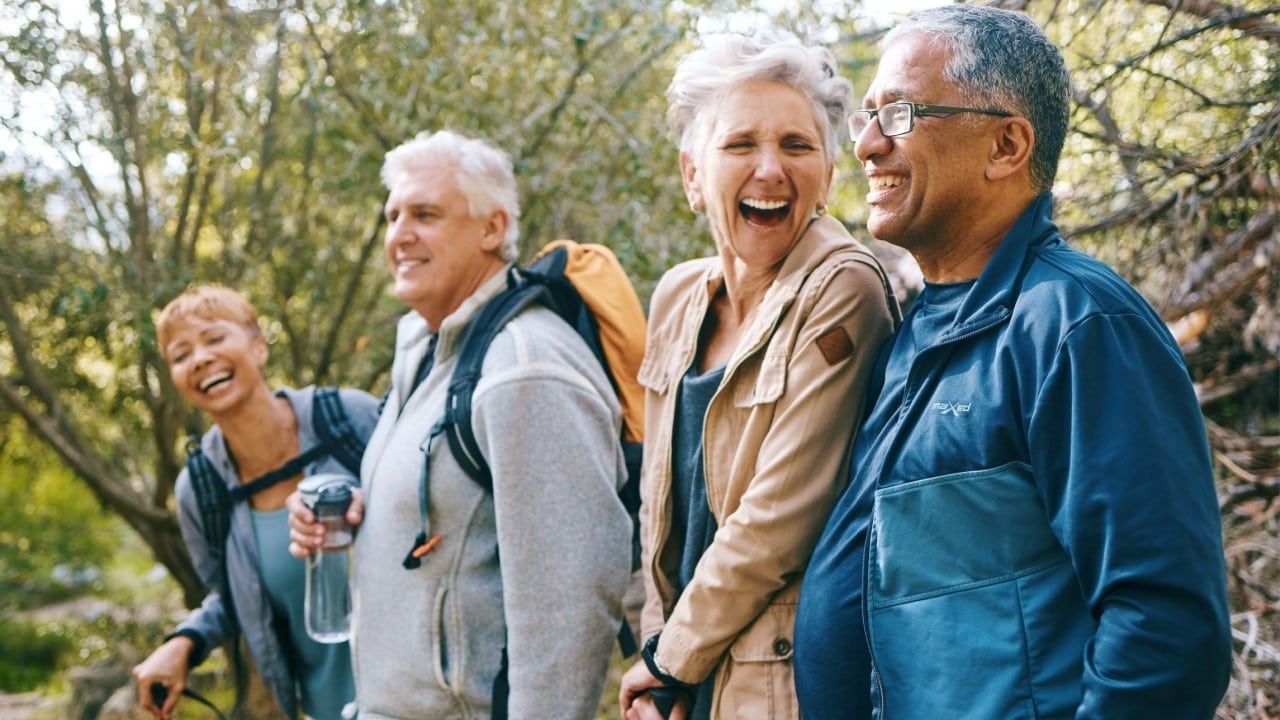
column 29, row 654
column 54, row 536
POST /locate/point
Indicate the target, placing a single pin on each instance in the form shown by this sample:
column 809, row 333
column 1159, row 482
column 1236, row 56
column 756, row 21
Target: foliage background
column 149, row 144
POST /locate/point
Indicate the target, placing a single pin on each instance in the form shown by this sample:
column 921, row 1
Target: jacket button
column 782, row 646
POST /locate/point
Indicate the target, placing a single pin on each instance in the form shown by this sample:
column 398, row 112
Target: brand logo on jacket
column 949, row 408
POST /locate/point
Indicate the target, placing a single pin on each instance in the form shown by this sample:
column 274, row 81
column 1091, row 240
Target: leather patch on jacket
column 836, row 345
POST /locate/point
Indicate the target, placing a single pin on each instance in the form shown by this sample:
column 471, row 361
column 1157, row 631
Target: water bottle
column 328, row 595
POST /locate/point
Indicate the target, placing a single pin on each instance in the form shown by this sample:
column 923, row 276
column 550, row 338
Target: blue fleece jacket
column 1031, row 528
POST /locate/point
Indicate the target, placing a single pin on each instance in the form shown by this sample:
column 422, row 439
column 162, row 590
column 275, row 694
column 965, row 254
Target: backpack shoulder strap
column 866, row 257
column 484, row 327
column 212, row 498
column 333, row 426
column 594, row 294
column 214, row 503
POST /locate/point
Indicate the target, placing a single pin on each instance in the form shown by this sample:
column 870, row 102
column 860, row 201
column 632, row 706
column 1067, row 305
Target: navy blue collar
column 994, row 293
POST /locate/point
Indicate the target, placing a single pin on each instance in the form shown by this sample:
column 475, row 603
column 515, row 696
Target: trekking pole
column 160, row 693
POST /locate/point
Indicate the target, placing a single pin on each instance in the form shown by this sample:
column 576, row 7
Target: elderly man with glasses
column 1030, row 529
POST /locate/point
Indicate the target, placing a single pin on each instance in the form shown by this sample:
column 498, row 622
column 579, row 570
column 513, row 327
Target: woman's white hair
column 484, row 175
column 725, row 61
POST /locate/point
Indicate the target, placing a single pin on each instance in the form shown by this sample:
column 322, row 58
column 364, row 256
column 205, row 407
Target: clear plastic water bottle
column 328, row 595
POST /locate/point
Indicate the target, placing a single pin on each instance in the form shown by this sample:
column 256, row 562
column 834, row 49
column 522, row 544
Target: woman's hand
column 307, row 535
column 638, row 702
column 166, row 667
column 646, row 708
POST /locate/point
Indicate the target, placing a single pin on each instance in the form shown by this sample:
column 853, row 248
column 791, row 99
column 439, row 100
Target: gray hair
column 725, row 61
column 1001, row 59
column 484, row 175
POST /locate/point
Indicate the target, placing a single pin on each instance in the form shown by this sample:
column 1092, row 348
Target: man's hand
column 305, row 534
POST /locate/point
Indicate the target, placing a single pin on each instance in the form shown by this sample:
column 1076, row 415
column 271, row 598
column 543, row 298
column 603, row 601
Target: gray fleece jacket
column 427, row 642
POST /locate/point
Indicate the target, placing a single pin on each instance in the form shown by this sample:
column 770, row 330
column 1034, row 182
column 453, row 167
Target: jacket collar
column 413, row 335
column 994, row 293
column 824, row 236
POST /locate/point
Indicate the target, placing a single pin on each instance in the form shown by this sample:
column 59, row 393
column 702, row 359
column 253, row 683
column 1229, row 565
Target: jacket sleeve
column 211, row 620
column 564, row 537
column 800, row 468
column 1118, row 446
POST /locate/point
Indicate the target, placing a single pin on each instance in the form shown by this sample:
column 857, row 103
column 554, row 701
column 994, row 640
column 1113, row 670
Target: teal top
column 323, row 670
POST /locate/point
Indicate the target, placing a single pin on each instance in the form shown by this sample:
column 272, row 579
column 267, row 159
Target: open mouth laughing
column 215, row 380
column 766, row 213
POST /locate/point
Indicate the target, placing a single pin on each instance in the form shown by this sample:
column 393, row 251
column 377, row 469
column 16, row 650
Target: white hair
column 725, row 61
column 484, row 175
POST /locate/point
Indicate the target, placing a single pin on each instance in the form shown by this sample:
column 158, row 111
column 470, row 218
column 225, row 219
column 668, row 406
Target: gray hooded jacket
column 211, row 620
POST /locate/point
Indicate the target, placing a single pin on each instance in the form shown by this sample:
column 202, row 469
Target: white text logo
column 951, row 408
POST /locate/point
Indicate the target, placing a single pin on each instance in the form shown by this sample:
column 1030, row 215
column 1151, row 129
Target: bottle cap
column 333, row 500
column 313, row 486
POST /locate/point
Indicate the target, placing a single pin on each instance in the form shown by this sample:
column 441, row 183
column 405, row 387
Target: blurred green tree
column 156, row 144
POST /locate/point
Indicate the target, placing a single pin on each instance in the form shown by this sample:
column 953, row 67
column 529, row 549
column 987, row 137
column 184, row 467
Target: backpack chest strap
column 275, row 477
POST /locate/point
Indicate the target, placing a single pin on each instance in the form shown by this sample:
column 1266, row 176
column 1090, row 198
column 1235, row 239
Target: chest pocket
column 997, row 512
column 660, row 370
column 761, row 378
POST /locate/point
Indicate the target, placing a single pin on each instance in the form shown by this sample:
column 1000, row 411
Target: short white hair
column 484, row 174
column 727, row 60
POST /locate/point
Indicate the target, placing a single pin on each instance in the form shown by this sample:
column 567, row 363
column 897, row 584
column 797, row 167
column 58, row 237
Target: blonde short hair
column 207, row 302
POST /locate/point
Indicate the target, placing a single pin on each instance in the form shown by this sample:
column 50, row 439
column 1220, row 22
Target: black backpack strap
column 212, row 498
column 484, row 327
column 562, row 297
column 542, row 282
column 333, row 426
column 280, row 474
column 337, row 437
column 867, row 258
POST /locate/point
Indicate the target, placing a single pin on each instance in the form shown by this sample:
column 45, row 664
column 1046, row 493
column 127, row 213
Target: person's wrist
column 196, row 639
column 651, row 662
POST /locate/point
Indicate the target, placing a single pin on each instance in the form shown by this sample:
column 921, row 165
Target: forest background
column 149, row 144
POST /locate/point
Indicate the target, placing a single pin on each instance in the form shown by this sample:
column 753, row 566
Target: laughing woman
column 209, row 337
column 757, row 360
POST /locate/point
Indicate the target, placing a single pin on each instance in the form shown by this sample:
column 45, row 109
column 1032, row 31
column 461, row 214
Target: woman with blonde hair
column 216, row 354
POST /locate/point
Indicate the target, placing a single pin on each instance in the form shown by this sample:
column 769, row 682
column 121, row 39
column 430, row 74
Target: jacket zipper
column 866, row 617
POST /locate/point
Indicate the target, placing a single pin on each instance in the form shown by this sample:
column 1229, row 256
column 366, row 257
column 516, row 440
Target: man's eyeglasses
column 899, row 118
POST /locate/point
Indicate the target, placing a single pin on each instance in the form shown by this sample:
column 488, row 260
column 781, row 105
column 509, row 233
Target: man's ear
column 495, row 230
column 688, row 175
column 1010, row 148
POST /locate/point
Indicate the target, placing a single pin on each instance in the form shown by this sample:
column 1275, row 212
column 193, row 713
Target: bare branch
column 331, row 67
column 1253, row 23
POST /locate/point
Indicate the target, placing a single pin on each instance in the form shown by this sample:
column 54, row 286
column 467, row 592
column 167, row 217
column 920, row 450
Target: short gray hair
column 725, row 61
column 484, row 175
column 1001, row 59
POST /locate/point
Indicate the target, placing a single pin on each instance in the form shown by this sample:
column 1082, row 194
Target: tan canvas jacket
column 776, row 444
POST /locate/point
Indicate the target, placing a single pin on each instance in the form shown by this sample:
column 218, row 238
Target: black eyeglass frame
column 914, row 110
